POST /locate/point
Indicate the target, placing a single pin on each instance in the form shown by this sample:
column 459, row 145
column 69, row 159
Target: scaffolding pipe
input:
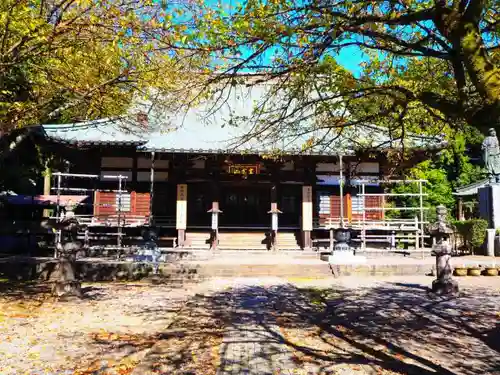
column 58, row 216
column 85, row 189
column 393, row 194
column 396, row 208
column 119, row 177
column 76, row 175
column 388, row 181
column 341, row 185
column 119, row 228
column 421, row 190
column 79, row 175
column 151, row 188
column 363, row 231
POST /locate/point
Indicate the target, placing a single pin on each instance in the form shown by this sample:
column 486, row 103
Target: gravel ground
column 112, row 328
column 352, row 325
column 332, row 326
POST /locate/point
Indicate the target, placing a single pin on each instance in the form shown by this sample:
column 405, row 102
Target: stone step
column 195, row 270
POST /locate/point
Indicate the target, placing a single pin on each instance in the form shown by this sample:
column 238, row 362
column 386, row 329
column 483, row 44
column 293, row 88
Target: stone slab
column 18, row 268
column 489, row 204
column 490, row 242
column 346, row 257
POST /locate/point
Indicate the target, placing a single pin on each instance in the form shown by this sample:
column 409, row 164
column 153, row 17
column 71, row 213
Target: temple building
column 202, row 184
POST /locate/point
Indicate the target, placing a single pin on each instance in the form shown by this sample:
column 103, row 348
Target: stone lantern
column 441, row 231
column 341, row 250
column 150, row 251
column 65, row 282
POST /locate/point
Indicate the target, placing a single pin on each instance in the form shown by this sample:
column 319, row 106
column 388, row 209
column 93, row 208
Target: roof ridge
column 78, row 125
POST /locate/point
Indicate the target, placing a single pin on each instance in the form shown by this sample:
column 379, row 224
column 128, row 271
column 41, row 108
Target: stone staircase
column 198, row 240
column 288, row 241
column 249, row 240
column 243, row 241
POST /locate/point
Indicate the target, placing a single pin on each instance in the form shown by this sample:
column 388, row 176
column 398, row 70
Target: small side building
column 467, row 203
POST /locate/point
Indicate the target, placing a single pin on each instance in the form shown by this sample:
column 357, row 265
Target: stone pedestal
column 342, row 252
column 65, row 284
column 444, row 284
column 441, row 231
column 307, row 240
column 490, row 242
column 445, row 287
column 489, row 204
column 346, row 257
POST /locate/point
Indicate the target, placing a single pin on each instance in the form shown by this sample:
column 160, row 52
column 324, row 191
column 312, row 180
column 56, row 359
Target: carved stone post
column 150, row 250
column 214, row 237
column 274, row 225
column 441, row 231
column 65, row 284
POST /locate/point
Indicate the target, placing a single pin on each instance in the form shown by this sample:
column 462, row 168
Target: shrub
column 472, row 231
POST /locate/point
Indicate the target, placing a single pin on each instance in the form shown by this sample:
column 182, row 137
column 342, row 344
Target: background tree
column 70, row 60
column 438, row 57
column 451, row 167
column 83, row 59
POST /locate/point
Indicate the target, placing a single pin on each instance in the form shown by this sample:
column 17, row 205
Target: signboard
column 181, row 213
column 307, row 208
column 244, row 169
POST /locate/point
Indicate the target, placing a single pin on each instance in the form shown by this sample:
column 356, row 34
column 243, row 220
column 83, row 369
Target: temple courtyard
column 265, row 325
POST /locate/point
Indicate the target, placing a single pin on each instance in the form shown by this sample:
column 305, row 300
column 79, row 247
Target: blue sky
column 349, row 57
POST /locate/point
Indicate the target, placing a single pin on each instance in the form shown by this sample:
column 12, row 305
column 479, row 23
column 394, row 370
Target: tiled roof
column 204, row 130
column 471, row 189
column 104, row 131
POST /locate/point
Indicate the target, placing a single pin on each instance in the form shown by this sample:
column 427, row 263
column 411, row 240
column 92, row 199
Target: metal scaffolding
column 399, row 229
column 119, row 207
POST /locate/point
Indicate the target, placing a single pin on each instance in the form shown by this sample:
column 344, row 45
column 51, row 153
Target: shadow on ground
column 388, row 328
column 21, row 290
column 391, row 328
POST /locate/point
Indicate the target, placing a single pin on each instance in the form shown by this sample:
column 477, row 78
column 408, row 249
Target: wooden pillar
column 181, row 213
column 134, row 171
column 348, row 198
column 151, row 188
column 307, row 215
column 307, row 202
column 47, row 185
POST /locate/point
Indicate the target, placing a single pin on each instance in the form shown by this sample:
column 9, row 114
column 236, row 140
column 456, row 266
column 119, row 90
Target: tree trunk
column 482, row 71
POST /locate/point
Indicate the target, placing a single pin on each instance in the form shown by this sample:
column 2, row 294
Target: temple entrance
column 245, row 207
column 290, row 204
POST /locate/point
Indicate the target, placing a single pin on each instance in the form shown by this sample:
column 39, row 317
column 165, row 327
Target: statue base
column 65, row 285
column 489, row 204
column 345, row 257
column 445, row 287
column 155, row 279
column 67, row 289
